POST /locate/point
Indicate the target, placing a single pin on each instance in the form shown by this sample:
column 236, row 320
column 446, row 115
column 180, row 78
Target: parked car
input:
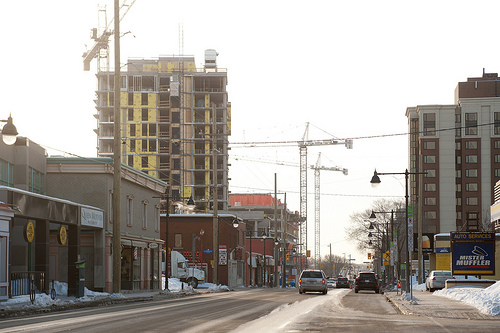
column 366, row 281
column 342, row 282
column 331, row 283
column 312, row 280
column 436, row 280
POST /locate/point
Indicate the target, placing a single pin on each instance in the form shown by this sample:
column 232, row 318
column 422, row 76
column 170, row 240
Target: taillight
column 433, row 279
column 300, row 280
column 323, row 281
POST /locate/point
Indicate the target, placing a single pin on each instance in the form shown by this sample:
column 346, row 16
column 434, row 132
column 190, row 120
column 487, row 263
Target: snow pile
column 486, row 300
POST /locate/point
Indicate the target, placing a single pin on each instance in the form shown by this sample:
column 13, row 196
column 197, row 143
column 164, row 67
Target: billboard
column 427, row 243
column 473, row 253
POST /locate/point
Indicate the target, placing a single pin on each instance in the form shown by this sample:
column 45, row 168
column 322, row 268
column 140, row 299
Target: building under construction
column 175, row 119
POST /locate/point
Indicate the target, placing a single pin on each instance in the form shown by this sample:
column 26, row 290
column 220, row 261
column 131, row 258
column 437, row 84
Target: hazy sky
column 350, row 68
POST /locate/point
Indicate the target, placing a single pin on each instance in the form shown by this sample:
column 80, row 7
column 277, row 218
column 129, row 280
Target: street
column 249, row 310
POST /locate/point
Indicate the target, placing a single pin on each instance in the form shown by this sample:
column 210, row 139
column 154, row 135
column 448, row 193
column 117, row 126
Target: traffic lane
column 365, row 312
column 219, row 312
column 369, row 301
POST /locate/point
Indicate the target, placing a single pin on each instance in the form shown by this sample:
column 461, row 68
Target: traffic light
column 369, row 255
column 287, row 256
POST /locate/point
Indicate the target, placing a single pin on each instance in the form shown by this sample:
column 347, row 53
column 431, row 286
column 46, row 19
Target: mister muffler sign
column 473, row 253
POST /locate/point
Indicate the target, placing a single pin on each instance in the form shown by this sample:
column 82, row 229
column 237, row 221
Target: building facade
column 90, row 182
column 175, row 119
column 458, row 146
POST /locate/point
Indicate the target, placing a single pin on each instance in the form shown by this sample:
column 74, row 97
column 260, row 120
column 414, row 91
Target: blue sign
column 473, row 257
column 208, row 251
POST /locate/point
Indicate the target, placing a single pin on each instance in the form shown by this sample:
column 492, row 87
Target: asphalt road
column 253, row 311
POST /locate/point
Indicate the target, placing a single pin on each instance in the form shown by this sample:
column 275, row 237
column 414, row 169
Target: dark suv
column 366, row 281
column 342, row 282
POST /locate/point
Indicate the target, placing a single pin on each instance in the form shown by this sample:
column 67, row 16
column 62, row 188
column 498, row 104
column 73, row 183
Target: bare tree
column 358, row 229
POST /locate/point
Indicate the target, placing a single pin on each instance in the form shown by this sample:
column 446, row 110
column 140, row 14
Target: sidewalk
column 428, row 305
column 21, row 305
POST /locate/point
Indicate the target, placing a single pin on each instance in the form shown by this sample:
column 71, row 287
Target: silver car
column 436, row 280
column 312, row 280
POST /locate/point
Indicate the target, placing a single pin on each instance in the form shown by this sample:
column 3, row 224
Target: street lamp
column 373, row 218
column 9, row 132
column 376, row 181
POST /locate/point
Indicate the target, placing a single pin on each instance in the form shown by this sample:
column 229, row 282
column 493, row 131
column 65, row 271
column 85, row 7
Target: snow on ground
column 486, row 300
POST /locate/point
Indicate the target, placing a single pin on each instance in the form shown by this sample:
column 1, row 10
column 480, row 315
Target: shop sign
column 62, row 235
column 29, row 232
column 92, row 217
column 473, row 253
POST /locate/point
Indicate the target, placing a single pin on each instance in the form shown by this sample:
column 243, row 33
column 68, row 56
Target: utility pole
column 215, row 221
column 276, row 248
column 117, row 160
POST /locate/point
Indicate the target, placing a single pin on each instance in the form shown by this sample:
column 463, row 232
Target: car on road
column 342, row 282
column 436, row 280
column 331, row 283
column 312, row 280
column 367, row 281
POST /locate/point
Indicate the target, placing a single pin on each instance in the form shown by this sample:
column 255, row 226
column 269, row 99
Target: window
column 497, row 144
column 176, row 163
column 497, row 172
column 497, row 158
column 470, row 144
column 178, row 240
column 472, row 201
column 132, row 129
column 458, row 187
column 152, row 145
column 144, row 145
column 430, row 215
column 458, row 173
column 144, row 114
column 144, row 129
column 430, row 201
column 471, row 187
column 132, row 145
column 130, row 114
column 431, row 173
column 130, row 98
column 429, row 145
column 496, row 125
column 130, row 160
column 144, row 214
column 37, row 181
column 430, row 187
column 429, row 159
column 471, row 123
column 144, row 162
column 471, row 173
column 144, row 99
column 129, row 208
column 457, row 145
column 157, row 218
column 470, row 158
column 429, row 124
column 459, row 159
column 458, row 201
column 6, row 173
column 152, row 129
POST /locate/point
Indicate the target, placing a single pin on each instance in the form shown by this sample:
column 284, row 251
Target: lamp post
column 372, row 218
column 264, row 236
column 276, row 259
column 376, row 181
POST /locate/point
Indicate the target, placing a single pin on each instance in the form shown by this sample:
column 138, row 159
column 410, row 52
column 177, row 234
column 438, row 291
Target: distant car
column 312, row 280
column 331, row 283
column 436, row 280
column 367, row 281
column 342, row 282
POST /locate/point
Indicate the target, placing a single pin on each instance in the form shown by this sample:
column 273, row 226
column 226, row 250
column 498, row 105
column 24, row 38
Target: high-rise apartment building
column 458, row 145
column 168, row 125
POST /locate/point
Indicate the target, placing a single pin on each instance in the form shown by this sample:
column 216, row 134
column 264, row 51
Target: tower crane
column 303, row 178
column 101, row 37
column 317, row 169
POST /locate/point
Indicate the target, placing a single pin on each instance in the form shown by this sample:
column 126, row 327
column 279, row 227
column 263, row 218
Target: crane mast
column 100, row 49
column 303, row 179
column 317, row 224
